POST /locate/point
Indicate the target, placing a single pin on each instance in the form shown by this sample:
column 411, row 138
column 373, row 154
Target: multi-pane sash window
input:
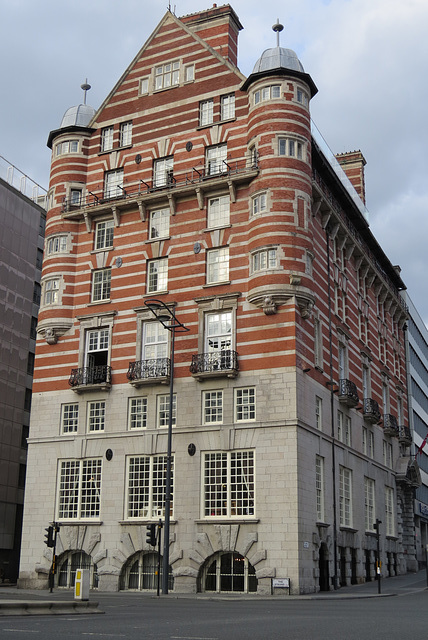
column 167, row 75
column 216, row 159
column 318, row 346
column 389, row 511
column 245, row 404
column 206, row 112
column 189, row 73
column 79, row 489
column 218, row 211
column 163, row 410
column 291, row 148
column 113, row 184
column 302, row 97
column 157, row 275
column 107, row 139
column 387, row 454
column 267, row 93
column 259, row 203
column 137, row 413
column 265, row 259
column 146, row 486
column 319, row 485
column 229, row 484
column 68, row 146
column 163, row 171
column 57, row 244
column 228, row 107
column 125, row 134
column 155, row 341
column 159, row 224
column 218, row 265
column 97, row 349
column 51, row 291
column 318, row 413
column 101, row 285
column 369, row 504
column 368, row 443
column 96, row 415
column 104, row 234
column 345, row 497
column 76, row 197
column 218, row 335
column 69, row 417
column 213, row 406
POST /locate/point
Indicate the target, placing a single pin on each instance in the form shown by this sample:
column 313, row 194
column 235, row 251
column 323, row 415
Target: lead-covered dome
column 278, row 58
column 78, row 116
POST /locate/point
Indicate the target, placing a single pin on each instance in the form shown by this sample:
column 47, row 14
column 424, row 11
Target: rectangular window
column 137, row 414
column 218, row 334
column 96, row 356
column 345, row 497
column 189, row 73
column 76, row 197
column 318, row 413
column 104, row 235
column 144, row 86
column 319, row 486
column 163, row 410
column 68, row 146
column 302, row 97
column 69, row 418
column 155, row 341
column 267, row 93
column 291, row 148
column 159, row 224
column 218, row 265
column 265, row 259
column 96, row 415
column 57, row 244
column 389, row 511
column 340, row 426
column 206, row 112
column 167, row 75
column 213, row 406
column 51, row 291
column 101, row 285
column 146, row 486
column 387, row 454
column 113, row 184
column 228, row 107
column 79, row 489
column 259, row 203
column 347, row 433
column 229, row 479
column 157, row 275
column 163, row 172
column 125, row 134
column 107, row 138
column 368, row 443
column 318, row 346
column 218, row 211
column 369, row 504
column 245, row 404
column 216, row 159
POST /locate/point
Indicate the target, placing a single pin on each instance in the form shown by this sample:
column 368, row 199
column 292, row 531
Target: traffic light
column 49, row 536
column 151, row 534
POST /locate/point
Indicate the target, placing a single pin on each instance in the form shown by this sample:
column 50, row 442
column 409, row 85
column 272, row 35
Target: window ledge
column 223, row 226
column 216, row 284
column 160, row 239
column 323, row 525
column 142, row 521
column 103, row 153
column 78, row 523
column 214, row 123
column 231, row 520
column 103, row 250
column 94, row 303
column 348, row 529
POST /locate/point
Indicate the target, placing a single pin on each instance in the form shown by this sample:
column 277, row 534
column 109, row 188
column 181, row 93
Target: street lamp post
column 166, row 316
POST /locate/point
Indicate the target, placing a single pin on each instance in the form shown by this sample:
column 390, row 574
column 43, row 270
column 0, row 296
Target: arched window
column 140, row 573
column 227, row 572
column 69, row 562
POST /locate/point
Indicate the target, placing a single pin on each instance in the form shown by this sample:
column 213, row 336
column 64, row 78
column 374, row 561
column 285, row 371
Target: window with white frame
column 79, row 489
column 67, row 146
column 125, row 134
column 218, row 331
column 342, row 361
column 215, row 159
column 318, row 413
column 343, row 428
column 267, row 93
column 167, row 75
column 107, row 138
column 189, row 73
column 206, row 112
column 345, row 497
column 101, row 284
column 389, row 511
column 368, row 442
column 104, row 232
column 155, row 341
column 212, row 407
column 76, row 196
column 157, row 275
column 69, row 417
column 96, row 416
column 385, row 395
column 96, row 352
column 264, row 259
column 369, row 504
column 218, row 211
column 137, row 413
column 146, row 484
column 387, row 454
column 113, row 184
column 318, row 346
column 319, row 487
column 218, row 265
column 159, row 224
column 51, row 291
column 302, row 97
column 163, row 171
column 259, row 203
column 163, row 410
column 144, row 86
column 56, row 244
column 291, row 148
column 245, row 404
column 229, row 481
column 227, row 106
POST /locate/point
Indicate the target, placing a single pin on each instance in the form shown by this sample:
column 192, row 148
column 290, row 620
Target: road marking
column 23, row 630
column 191, row 638
column 105, row 635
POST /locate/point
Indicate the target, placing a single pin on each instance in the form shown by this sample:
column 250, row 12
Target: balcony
column 390, row 425
column 157, row 370
column 90, row 379
column 404, row 435
column 371, row 411
column 348, row 393
column 215, row 364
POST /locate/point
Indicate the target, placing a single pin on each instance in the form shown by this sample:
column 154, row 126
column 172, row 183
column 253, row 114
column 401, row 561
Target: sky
column 368, row 58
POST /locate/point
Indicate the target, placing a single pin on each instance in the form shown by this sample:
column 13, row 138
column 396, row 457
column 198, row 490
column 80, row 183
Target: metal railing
column 100, row 374
column 390, row 424
column 371, row 410
column 214, row 362
column 21, row 182
column 348, row 392
column 404, row 435
column 149, row 369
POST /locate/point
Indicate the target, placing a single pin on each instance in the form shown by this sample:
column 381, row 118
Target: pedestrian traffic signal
column 151, row 534
column 49, row 536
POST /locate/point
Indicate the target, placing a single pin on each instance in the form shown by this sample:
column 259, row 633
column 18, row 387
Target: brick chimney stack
column 353, row 163
column 219, row 27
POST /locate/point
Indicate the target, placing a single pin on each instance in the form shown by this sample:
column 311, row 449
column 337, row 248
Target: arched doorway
column 69, row 562
column 227, row 571
column 140, row 573
column 324, row 570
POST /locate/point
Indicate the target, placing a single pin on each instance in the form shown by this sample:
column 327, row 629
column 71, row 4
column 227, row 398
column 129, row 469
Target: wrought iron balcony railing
column 404, row 435
column 371, row 410
column 146, row 371
column 215, row 363
column 390, row 425
column 348, row 393
column 100, row 374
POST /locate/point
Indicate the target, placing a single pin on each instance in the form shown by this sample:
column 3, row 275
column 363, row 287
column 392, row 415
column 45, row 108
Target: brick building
column 196, row 186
